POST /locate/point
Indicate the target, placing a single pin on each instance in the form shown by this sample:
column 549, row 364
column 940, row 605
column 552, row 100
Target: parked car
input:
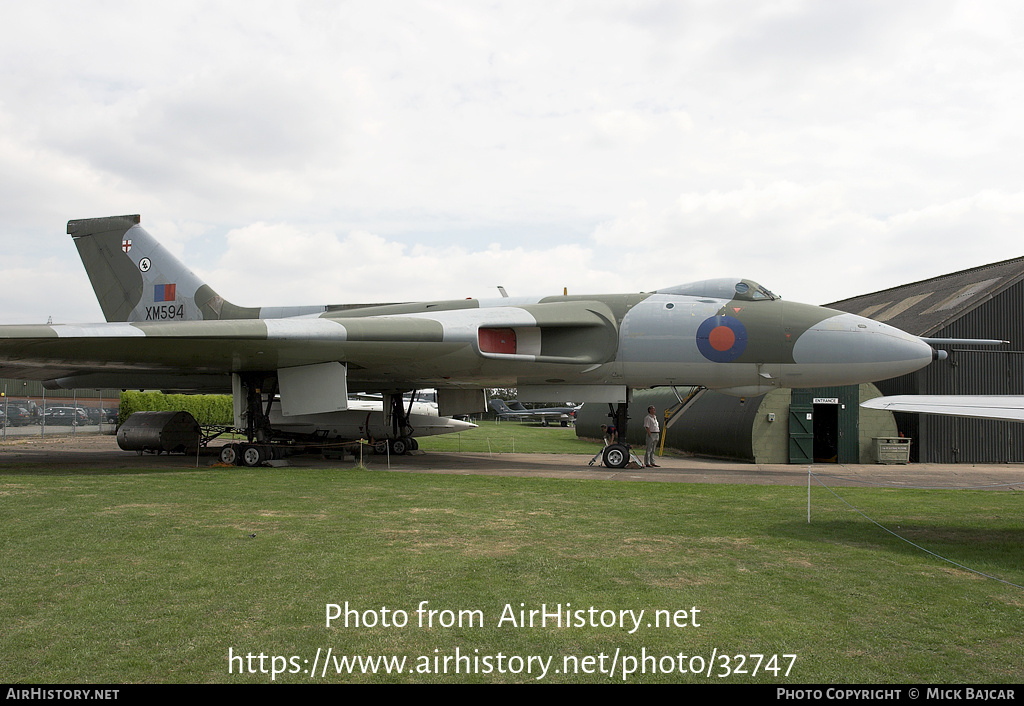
column 66, row 416
column 17, row 416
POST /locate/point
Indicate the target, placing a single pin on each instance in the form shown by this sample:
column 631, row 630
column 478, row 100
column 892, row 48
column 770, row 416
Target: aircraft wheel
column 415, row 444
column 229, row 454
column 616, row 456
column 401, row 445
column 380, row 448
column 253, row 456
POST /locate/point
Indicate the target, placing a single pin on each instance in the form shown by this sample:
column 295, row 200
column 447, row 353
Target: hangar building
column 784, row 426
column 983, row 302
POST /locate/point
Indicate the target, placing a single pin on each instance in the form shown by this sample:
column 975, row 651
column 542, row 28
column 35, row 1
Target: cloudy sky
column 331, row 152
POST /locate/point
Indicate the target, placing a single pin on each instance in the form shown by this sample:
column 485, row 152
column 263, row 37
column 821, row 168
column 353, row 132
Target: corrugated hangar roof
column 921, row 308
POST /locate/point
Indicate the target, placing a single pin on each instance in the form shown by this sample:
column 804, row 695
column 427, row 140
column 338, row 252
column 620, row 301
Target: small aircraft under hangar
column 166, row 329
column 545, row 415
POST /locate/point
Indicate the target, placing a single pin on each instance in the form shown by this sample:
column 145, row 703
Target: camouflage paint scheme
column 167, row 329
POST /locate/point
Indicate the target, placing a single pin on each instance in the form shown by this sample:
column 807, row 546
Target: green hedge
column 207, row 409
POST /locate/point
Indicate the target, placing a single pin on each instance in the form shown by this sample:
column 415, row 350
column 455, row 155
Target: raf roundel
column 721, row 339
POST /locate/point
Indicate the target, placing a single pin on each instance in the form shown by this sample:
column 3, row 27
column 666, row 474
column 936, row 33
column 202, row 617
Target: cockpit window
column 759, row 292
column 725, row 288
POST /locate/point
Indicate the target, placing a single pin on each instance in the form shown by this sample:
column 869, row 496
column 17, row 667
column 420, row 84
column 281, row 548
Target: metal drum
column 159, row 432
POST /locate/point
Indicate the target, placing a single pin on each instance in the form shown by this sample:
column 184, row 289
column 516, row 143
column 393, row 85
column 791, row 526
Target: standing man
column 653, row 433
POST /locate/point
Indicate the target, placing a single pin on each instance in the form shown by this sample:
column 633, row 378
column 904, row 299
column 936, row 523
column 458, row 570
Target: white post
column 808, row 495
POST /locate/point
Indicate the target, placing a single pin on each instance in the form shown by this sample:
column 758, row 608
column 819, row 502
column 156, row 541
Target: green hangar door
column 823, row 425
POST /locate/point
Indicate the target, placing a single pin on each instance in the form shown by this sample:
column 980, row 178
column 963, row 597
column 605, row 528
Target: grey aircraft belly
column 166, row 329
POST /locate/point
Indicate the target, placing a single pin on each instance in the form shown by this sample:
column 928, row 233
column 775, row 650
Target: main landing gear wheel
column 401, row 445
column 229, row 454
column 253, row 456
column 616, row 456
column 380, row 448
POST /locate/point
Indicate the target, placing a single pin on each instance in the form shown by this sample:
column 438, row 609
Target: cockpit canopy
column 723, row 288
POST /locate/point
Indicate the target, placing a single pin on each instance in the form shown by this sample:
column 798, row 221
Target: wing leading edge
column 440, row 347
column 1004, row 407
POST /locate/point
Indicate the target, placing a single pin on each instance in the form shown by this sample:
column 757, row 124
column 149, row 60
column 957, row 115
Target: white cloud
column 318, row 151
column 278, row 264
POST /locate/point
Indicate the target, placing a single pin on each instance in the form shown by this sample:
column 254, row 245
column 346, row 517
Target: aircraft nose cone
column 459, row 425
column 860, row 349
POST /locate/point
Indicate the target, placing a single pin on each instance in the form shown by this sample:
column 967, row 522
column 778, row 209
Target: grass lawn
column 156, row 576
column 506, row 437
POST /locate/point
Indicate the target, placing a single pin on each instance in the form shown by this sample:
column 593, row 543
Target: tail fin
column 137, row 279
column 499, row 406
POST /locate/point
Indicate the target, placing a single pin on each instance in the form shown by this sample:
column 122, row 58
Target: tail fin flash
column 137, row 279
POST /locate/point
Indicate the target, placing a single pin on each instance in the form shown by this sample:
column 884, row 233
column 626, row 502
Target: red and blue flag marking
column 163, row 293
